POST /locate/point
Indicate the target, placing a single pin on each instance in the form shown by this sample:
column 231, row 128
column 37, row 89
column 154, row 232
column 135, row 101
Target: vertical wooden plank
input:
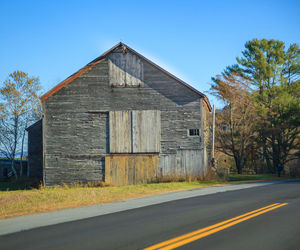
column 205, row 161
column 192, row 162
column 116, row 65
column 170, row 164
column 136, row 131
column 155, row 131
column 146, row 131
column 125, row 70
column 130, row 169
column 112, row 132
column 120, row 131
column 107, row 170
column 134, row 71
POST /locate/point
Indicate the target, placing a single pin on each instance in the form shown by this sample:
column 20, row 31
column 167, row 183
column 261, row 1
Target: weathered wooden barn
column 122, row 119
column 35, row 150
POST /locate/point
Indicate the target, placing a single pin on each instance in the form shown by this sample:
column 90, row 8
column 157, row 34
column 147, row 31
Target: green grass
column 29, row 200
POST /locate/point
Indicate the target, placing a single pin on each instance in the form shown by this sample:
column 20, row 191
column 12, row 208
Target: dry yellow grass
column 14, row 203
column 21, row 202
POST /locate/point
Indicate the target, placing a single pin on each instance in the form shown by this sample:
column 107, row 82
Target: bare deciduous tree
column 234, row 124
column 19, row 100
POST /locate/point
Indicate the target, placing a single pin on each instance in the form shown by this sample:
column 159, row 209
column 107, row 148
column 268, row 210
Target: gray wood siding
column 136, row 131
column 146, row 131
column 125, row 69
column 35, row 150
column 117, row 74
column 77, row 125
column 191, row 162
column 185, row 162
column 120, row 131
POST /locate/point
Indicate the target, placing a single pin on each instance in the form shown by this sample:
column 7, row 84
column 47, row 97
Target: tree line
column 19, row 107
column 260, row 121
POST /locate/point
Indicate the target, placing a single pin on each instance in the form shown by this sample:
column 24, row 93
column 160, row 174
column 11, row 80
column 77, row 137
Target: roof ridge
column 103, row 56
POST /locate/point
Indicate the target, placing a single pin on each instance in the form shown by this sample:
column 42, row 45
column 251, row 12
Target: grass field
column 27, row 201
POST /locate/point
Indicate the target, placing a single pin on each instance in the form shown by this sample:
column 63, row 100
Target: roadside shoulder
column 20, row 223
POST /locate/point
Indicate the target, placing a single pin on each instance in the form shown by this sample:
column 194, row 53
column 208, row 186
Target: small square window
column 194, row 132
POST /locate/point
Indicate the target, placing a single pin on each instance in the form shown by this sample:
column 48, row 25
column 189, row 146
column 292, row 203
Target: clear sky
column 194, row 40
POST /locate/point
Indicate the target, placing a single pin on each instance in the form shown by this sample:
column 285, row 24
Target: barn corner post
column 28, row 164
column 44, row 142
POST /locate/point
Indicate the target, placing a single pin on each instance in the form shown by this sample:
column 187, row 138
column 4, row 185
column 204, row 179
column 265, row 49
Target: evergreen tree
column 275, row 73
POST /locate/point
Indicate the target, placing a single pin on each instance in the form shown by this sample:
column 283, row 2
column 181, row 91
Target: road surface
column 264, row 217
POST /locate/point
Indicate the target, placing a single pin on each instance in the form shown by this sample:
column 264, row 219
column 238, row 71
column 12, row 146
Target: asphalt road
column 147, row 226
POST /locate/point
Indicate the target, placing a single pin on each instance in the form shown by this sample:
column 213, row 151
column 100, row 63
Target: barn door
column 134, row 131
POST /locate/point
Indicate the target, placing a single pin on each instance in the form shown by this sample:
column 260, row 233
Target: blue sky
column 194, row 40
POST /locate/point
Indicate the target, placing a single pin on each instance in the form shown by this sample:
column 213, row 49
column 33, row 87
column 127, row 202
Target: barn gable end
column 122, row 103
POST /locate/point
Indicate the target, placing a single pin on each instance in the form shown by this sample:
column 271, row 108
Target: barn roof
column 33, row 125
column 103, row 56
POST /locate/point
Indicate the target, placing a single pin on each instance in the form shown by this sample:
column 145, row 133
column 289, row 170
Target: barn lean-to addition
column 124, row 120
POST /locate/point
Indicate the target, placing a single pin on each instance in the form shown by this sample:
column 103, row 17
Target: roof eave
column 103, row 56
